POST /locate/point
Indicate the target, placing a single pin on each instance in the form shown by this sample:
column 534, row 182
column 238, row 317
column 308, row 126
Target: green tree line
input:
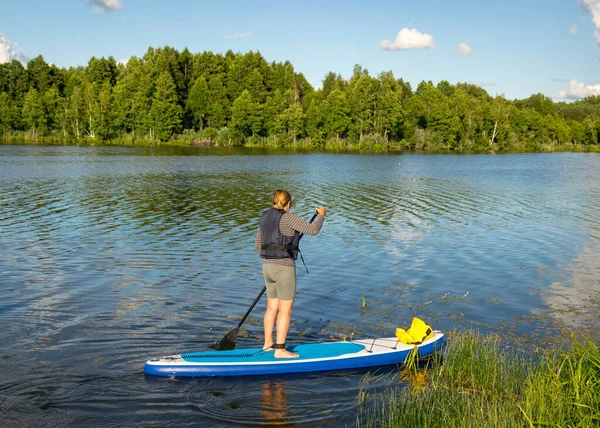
column 242, row 99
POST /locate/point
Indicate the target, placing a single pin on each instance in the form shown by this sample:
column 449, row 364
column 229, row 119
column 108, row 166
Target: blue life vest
column 274, row 244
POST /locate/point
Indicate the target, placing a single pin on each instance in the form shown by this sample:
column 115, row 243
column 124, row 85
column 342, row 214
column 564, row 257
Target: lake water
column 112, row 256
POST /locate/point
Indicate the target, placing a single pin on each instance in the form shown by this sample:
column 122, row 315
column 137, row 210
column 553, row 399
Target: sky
column 513, row 48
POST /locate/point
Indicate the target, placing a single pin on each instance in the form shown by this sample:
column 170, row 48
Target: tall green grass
column 479, row 382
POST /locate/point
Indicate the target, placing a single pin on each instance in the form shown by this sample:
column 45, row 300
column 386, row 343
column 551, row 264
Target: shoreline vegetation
column 167, row 97
column 341, row 145
column 480, row 381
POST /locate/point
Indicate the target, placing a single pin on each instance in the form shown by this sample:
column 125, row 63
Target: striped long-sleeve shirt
column 289, row 224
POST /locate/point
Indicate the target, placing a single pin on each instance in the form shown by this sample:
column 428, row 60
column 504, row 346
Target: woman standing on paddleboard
column 277, row 243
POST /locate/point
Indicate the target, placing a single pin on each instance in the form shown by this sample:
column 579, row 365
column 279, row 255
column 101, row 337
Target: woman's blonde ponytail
column 281, row 198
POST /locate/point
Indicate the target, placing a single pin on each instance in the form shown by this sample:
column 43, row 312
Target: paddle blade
column 228, row 342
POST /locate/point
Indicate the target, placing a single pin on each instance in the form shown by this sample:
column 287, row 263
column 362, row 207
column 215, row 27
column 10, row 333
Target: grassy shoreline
column 477, row 381
column 341, row 145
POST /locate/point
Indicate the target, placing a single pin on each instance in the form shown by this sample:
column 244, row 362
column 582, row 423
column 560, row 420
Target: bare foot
column 268, row 347
column 284, row 353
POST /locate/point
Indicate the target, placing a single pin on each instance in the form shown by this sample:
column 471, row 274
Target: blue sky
column 510, row 47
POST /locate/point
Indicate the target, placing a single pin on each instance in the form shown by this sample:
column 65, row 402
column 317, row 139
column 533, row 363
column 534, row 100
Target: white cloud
column 577, row 90
column 9, row 50
column 101, row 6
column 464, row 50
column 409, row 39
column 123, row 61
column 5, row 49
column 573, row 29
column 238, row 35
column 593, row 6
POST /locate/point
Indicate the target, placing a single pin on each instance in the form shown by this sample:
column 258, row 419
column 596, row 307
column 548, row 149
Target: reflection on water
column 274, row 404
column 111, row 256
column 309, row 399
column 575, row 301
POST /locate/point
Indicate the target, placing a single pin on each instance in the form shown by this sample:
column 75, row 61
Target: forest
column 235, row 99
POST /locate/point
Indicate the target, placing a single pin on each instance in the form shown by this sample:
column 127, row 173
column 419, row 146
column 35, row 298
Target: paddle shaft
column 265, row 287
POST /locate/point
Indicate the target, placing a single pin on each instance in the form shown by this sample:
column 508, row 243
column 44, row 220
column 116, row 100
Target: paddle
column 228, row 342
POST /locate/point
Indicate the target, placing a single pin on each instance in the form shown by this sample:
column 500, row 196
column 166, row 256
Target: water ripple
column 114, row 255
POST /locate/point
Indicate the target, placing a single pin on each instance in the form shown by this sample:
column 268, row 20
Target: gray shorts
column 280, row 281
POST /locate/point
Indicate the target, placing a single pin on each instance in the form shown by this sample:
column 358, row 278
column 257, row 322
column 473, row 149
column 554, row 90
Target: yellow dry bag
column 418, row 332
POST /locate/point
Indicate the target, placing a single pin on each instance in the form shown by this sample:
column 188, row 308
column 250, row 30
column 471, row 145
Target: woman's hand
column 321, row 211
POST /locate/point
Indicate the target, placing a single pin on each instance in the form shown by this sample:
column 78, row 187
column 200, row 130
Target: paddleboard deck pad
column 314, row 357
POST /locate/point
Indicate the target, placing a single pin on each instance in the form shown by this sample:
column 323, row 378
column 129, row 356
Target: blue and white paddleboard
column 314, row 357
